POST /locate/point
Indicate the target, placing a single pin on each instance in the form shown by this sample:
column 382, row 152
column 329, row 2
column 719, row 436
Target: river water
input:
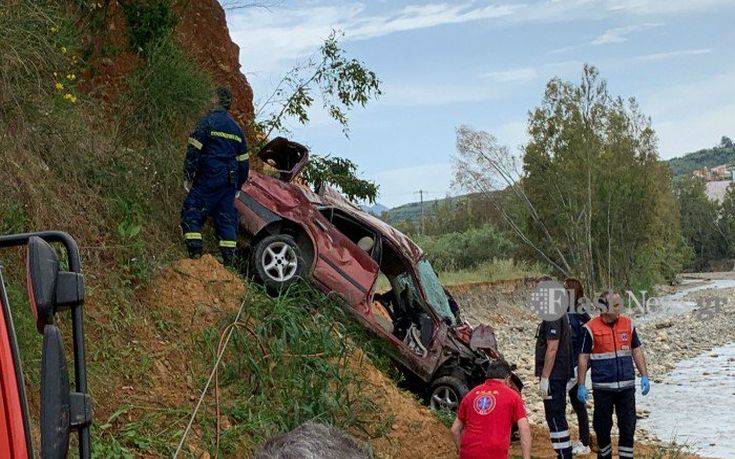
column 695, row 402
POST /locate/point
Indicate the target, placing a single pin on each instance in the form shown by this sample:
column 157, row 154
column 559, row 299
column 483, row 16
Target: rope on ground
column 229, row 330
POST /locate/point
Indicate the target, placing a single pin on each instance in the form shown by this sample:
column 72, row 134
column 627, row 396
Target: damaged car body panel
column 383, row 276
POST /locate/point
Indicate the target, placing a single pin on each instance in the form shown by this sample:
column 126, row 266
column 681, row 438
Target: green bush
column 148, row 21
column 466, row 250
column 168, row 91
column 285, row 365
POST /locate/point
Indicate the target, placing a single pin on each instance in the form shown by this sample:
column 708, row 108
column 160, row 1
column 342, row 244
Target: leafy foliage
column 341, row 84
column 148, row 22
column 701, row 226
column 592, row 199
column 709, row 157
column 339, row 172
column 466, row 250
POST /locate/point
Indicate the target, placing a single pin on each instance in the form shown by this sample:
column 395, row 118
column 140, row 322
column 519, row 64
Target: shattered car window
column 434, row 290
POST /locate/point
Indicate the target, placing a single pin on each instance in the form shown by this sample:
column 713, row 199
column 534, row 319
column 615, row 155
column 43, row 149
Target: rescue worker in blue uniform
column 215, row 168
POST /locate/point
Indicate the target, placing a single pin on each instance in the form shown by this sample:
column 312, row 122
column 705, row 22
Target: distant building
column 718, row 173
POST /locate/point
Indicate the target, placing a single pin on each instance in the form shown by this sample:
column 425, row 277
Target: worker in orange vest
column 611, row 345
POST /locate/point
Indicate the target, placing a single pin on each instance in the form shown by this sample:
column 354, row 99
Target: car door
column 342, row 267
column 14, row 433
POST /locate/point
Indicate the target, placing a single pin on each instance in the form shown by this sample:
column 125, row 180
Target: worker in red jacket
column 611, row 344
column 486, row 417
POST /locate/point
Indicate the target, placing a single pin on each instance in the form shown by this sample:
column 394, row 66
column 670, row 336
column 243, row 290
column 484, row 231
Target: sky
column 485, row 64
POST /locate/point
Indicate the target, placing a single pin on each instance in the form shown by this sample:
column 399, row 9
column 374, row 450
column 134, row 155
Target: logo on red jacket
column 484, row 404
column 624, row 336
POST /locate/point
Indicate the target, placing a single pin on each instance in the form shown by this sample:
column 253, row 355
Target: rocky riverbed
column 671, row 335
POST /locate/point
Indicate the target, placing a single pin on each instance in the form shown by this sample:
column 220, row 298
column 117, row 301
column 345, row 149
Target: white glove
column 543, row 387
column 187, row 185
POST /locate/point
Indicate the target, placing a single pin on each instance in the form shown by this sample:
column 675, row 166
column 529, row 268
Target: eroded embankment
column 182, row 310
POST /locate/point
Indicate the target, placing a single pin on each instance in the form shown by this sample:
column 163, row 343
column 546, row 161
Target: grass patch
column 288, row 364
column 495, row 270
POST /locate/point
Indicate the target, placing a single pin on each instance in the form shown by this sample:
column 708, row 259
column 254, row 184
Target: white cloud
column 268, row 38
column 673, row 54
column 620, row 34
column 646, row 7
column 512, row 75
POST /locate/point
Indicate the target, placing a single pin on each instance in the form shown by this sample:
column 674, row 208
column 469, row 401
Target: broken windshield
column 434, row 291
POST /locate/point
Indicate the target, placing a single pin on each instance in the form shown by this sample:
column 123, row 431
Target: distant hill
column 708, row 157
column 376, row 209
column 412, row 210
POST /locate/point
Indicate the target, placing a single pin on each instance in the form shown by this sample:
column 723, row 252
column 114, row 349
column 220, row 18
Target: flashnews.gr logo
column 550, row 301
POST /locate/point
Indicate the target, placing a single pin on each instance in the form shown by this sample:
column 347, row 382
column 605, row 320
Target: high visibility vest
column 611, row 359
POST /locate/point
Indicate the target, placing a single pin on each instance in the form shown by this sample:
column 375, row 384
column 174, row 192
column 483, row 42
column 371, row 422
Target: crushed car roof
column 402, row 242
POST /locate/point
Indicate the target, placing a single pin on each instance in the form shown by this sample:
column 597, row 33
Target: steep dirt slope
column 414, row 430
column 203, row 32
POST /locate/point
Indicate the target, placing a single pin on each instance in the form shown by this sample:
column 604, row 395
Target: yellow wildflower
column 71, row 77
column 54, row 29
column 59, row 86
column 63, row 49
column 70, row 97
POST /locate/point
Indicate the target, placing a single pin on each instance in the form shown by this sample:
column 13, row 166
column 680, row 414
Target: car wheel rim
column 444, row 398
column 279, row 261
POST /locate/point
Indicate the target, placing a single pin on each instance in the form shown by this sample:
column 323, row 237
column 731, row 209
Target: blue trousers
column 217, row 203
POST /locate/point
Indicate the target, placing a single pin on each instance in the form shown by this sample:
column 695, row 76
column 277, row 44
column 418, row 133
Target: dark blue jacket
column 576, row 323
column 217, row 152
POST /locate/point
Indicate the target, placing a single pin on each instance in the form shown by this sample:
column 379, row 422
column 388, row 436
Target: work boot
column 195, row 252
column 229, row 255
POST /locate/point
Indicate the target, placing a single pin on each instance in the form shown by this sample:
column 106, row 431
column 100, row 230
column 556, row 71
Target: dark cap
column 224, row 97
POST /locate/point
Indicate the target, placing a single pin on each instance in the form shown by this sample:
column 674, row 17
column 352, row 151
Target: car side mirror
column 55, row 396
column 49, row 289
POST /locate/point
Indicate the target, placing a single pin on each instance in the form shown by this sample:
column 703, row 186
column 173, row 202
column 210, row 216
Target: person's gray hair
column 313, row 441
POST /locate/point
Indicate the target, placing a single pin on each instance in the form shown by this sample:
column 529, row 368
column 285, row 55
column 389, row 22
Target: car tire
column 446, row 392
column 278, row 262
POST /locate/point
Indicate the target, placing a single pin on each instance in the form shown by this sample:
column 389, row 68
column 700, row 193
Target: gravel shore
column 667, row 339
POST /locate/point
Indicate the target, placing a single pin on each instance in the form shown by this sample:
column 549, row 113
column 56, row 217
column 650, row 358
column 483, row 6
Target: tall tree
column 701, row 225
column 727, row 214
column 590, row 196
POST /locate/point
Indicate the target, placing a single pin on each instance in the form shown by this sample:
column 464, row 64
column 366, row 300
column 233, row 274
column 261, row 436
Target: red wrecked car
column 382, row 275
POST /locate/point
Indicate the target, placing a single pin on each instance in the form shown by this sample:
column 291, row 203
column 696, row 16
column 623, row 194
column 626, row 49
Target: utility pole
column 421, row 221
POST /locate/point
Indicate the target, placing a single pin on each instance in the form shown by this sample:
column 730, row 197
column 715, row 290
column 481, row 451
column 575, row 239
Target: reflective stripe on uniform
column 562, row 434
column 602, row 356
column 195, row 143
column 225, row 135
column 566, row 444
column 622, row 453
column 228, row 244
column 192, row 235
column 606, row 450
column 243, row 157
column 611, row 355
column 613, row 385
column 627, row 449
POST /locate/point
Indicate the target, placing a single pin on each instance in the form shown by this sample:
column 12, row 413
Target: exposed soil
column 414, row 430
column 202, row 30
column 191, row 295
